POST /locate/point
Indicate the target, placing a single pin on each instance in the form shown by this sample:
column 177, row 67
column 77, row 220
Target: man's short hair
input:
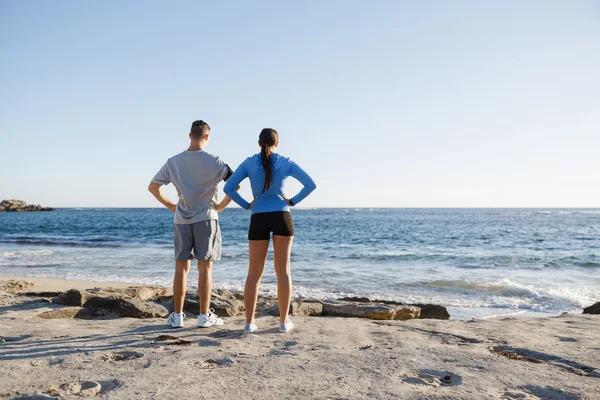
column 199, row 129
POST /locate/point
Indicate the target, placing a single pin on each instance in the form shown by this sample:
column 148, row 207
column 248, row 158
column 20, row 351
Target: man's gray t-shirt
column 195, row 175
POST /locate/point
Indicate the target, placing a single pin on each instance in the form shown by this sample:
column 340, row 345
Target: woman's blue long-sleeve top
column 271, row 200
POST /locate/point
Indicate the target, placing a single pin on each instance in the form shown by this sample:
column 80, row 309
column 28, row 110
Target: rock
column 14, row 286
column 20, row 205
column 359, row 299
column 370, row 310
column 142, row 293
column 76, row 297
column 433, row 311
column 299, row 309
column 2, row 209
column 593, row 309
column 131, row 308
column 73, row 297
column 428, row 311
column 224, row 302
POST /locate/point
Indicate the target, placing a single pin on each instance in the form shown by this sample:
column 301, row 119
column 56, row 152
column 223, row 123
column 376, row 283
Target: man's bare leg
column 204, row 285
column 182, row 267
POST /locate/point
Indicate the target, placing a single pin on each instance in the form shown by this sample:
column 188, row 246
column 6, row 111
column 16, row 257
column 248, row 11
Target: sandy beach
column 324, row 357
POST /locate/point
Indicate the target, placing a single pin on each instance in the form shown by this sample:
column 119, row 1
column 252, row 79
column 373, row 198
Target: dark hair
column 199, row 129
column 268, row 137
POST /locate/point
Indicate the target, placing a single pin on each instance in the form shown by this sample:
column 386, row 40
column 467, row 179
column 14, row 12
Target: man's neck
column 197, row 146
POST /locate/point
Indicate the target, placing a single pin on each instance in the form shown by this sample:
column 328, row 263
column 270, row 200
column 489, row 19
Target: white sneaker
column 208, row 320
column 176, row 320
column 287, row 326
column 249, row 328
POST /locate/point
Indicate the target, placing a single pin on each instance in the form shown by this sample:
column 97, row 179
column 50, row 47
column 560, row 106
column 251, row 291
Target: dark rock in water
column 131, row 308
column 359, row 299
column 299, row 309
column 593, row 309
column 370, row 310
column 20, row 205
column 433, row 311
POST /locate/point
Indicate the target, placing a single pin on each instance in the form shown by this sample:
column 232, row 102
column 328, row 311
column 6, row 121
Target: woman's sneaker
column 287, row 326
column 208, row 320
column 249, row 328
column 176, row 320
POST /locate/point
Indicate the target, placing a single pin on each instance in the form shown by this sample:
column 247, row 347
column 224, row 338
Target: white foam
column 25, row 253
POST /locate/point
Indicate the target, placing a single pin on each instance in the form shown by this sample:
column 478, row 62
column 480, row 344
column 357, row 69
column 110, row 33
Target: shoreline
column 60, row 284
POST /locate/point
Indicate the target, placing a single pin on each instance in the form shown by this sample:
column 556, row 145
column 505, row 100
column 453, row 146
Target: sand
column 323, row 358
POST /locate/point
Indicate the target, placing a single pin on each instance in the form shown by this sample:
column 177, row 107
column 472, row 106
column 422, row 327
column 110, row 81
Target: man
column 196, row 175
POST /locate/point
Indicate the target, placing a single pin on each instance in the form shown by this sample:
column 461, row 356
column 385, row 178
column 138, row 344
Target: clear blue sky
column 386, row 104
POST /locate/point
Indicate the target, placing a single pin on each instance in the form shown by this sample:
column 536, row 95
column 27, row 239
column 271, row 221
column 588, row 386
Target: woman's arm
column 305, row 180
column 223, row 204
column 234, row 180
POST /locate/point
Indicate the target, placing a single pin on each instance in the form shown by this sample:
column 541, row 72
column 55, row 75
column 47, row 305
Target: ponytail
column 265, row 156
column 268, row 137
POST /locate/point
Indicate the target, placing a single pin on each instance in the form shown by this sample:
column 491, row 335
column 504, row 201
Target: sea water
column 477, row 262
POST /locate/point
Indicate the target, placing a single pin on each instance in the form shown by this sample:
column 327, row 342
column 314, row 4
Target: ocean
column 478, row 262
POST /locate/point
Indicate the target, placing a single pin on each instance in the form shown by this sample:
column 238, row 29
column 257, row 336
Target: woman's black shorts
column 278, row 222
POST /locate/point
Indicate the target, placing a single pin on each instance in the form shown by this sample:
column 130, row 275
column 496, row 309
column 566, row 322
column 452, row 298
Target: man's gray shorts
column 201, row 241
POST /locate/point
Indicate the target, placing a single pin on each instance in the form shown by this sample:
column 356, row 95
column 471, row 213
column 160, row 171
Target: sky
column 385, row 104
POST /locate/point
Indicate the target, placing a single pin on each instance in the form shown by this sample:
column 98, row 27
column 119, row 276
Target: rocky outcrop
column 299, row 309
column 20, row 205
column 142, row 293
column 77, row 297
column 593, row 309
column 224, row 302
column 428, row 311
column 113, row 306
column 370, row 310
column 129, row 302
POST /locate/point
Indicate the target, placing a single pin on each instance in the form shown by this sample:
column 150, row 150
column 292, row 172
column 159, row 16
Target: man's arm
column 154, row 188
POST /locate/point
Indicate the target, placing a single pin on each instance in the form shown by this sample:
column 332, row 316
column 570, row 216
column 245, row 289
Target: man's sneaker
column 176, row 320
column 208, row 320
column 249, row 328
column 287, row 326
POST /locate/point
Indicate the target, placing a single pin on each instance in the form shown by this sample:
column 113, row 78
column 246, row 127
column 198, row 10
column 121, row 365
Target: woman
column 270, row 214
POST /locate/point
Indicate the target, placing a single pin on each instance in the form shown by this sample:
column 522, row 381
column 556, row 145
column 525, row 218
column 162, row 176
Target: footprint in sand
column 215, row 363
column 122, row 356
column 434, row 378
column 532, row 392
column 84, row 389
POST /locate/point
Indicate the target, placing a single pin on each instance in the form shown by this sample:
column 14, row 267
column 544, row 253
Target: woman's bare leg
column 282, row 249
column 257, row 250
